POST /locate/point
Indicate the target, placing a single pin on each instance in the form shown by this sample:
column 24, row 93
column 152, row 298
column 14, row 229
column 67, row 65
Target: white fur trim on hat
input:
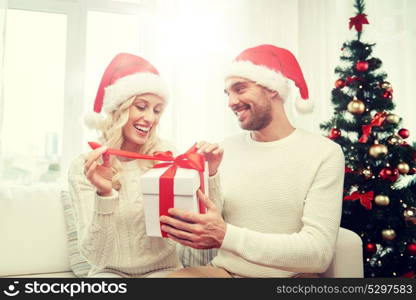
column 135, row 84
column 262, row 75
column 270, row 79
column 94, row 120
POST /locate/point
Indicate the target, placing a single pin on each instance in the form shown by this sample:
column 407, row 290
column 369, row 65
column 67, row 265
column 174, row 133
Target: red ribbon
column 163, row 156
column 358, row 21
column 189, row 160
column 365, row 199
column 377, row 120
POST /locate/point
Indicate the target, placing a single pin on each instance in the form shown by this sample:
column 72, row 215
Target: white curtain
column 192, row 41
column 3, row 10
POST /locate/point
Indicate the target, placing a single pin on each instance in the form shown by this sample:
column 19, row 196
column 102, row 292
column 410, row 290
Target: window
column 33, row 96
column 54, row 55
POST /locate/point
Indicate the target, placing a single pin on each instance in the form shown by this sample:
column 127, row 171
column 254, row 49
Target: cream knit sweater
column 111, row 230
column 282, row 203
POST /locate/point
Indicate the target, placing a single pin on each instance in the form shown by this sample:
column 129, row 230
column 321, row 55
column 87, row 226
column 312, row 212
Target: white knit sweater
column 282, row 203
column 111, row 230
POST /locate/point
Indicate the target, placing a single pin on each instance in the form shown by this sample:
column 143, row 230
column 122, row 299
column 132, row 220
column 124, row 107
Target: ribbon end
column 94, row 145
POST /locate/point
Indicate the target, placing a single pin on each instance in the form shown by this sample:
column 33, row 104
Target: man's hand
column 213, row 155
column 199, row 231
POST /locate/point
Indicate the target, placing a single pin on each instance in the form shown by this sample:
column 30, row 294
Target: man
column 282, row 186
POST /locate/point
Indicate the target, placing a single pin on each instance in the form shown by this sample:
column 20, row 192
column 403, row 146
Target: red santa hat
column 271, row 67
column 126, row 75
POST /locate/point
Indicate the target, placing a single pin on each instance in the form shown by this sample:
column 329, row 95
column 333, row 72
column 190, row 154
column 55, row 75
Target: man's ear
column 273, row 94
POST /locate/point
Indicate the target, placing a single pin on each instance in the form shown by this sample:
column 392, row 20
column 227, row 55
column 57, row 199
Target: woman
column 105, row 191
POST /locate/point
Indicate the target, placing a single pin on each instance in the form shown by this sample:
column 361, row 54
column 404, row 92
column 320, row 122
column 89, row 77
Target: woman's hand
column 213, row 155
column 99, row 175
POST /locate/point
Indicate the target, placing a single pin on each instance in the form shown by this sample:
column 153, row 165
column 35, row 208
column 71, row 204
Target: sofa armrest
column 32, row 227
column 348, row 257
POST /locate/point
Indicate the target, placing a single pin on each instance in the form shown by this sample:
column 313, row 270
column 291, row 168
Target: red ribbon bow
column 377, row 120
column 365, row 198
column 358, row 21
column 189, row 160
column 349, row 80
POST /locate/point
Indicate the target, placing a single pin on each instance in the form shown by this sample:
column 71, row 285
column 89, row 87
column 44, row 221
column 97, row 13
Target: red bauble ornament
column 411, row 248
column 340, row 83
column 361, row 66
column 387, row 95
column 410, row 274
column 389, row 174
column 404, row 133
column 334, row 133
column 371, row 248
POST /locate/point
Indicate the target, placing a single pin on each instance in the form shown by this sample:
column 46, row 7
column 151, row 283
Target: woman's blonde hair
column 112, row 136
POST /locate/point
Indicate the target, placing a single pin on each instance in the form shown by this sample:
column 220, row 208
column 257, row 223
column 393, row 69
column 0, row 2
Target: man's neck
column 271, row 134
column 278, row 128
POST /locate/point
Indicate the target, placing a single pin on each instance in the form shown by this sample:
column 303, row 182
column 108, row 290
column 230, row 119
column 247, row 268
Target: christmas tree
column 380, row 185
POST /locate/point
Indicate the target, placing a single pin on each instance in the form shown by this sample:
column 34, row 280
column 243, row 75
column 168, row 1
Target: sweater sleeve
column 311, row 249
column 215, row 192
column 94, row 216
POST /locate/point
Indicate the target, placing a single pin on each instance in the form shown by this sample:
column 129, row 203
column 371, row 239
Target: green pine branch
column 359, row 6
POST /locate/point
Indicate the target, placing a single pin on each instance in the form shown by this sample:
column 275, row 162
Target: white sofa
column 34, row 239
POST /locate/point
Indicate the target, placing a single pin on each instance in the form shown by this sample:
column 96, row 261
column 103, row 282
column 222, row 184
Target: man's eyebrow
column 140, row 100
column 235, row 85
column 238, row 84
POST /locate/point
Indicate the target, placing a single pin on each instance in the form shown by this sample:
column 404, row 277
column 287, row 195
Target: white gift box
column 186, row 184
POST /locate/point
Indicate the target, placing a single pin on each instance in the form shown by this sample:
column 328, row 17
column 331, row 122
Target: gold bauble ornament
column 394, row 140
column 403, row 168
column 382, row 200
column 377, row 149
column 356, row 106
column 410, row 215
column 387, row 86
column 393, row 119
column 388, row 234
column 367, row 173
